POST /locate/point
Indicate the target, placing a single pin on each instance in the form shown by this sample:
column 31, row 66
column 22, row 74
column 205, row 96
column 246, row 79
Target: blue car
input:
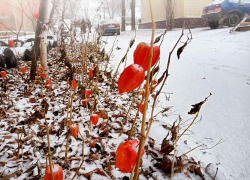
column 230, row 12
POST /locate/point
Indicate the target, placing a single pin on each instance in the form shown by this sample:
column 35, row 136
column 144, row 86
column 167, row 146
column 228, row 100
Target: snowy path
column 216, row 62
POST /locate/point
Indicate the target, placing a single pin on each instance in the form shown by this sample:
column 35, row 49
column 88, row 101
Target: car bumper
column 215, row 17
column 113, row 30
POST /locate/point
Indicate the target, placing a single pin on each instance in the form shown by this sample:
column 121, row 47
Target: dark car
column 230, row 12
column 109, row 26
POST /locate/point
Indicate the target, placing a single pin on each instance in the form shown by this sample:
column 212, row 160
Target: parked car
column 109, row 26
column 230, row 12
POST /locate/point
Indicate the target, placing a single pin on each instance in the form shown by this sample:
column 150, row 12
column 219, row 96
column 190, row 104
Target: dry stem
column 50, row 158
column 143, row 137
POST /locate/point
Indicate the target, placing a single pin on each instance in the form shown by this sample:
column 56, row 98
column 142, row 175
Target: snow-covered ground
column 217, row 62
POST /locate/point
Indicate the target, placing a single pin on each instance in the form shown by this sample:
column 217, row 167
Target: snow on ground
column 217, row 62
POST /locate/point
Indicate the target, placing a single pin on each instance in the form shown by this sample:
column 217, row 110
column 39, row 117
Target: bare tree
column 132, row 14
column 170, row 13
column 72, row 20
column 61, row 7
column 41, row 38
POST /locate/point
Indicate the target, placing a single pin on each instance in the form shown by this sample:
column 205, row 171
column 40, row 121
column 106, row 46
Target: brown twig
column 190, row 150
column 215, row 174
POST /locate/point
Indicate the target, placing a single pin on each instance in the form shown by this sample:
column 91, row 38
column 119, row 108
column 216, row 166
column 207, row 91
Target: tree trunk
column 72, row 21
column 133, row 15
column 123, row 15
column 61, row 5
column 170, row 14
column 41, row 33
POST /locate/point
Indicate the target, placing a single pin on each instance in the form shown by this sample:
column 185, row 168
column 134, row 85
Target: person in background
column 89, row 26
column 83, row 26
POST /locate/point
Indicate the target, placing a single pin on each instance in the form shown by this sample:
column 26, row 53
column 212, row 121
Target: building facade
column 190, row 10
column 16, row 14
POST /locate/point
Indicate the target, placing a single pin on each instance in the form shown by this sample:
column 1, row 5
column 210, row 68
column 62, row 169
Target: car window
column 234, row 1
column 108, row 21
column 245, row 1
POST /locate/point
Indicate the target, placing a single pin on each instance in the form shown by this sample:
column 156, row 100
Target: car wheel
column 214, row 25
column 118, row 33
column 233, row 20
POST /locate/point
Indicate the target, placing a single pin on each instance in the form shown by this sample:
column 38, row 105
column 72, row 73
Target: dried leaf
column 196, row 108
column 157, row 39
column 29, row 137
column 166, row 164
column 45, row 105
column 104, row 132
column 153, row 154
column 191, row 168
column 94, row 156
column 32, row 100
column 102, row 114
column 97, row 171
column 180, row 50
column 33, row 166
column 166, row 146
column 197, row 170
column 91, row 143
column 131, row 43
column 2, row 163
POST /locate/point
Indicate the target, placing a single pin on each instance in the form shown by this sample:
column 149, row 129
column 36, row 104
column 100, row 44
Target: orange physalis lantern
column 57, row 172
column 126, row 155
column 43, row 75
column 142, row 54
column 94, row 118
column 73, row 84
column 48, row 81
column 151, row 89
column 91, row 73
column 131, row 78
column 11, row 43
column 3, row 74
column 41, row 69
column 141, row 107
column 85, row 102
column 48, row 86
column 74, row 129
column 23, row 70
column 36, row 15
column 154, row 82
column 143, row 93
column 87, row 93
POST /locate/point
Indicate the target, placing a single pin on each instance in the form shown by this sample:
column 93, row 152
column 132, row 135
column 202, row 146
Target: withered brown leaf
column 196, row 108
column 166, row 146
column 180, row 50
column 166, row 164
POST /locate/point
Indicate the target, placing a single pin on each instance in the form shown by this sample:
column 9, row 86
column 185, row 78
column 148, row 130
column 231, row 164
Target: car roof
column 108, row 21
